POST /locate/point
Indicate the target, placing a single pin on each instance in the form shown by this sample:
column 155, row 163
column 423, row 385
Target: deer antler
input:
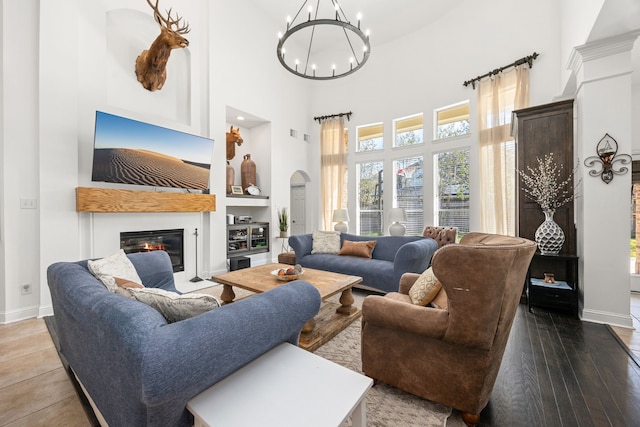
column 170, row 23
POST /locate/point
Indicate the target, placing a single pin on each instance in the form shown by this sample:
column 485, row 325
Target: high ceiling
column 387, row 20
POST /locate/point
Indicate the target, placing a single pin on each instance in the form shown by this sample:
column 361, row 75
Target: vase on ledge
column 549, row 236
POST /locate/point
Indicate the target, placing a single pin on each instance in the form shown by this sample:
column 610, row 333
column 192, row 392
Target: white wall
column 425, row 71
column 59, row 76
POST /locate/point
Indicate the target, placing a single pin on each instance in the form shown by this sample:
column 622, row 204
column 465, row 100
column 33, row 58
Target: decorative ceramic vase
column 231, row 174
column 549, row 236
column 283, row 234
column 248, row 172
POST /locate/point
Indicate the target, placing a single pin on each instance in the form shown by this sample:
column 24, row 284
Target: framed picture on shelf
column 236, row 189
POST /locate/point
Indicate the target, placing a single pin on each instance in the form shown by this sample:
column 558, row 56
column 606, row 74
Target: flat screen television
column 127, row 151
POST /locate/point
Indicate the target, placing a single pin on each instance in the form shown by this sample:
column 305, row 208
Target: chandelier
column 323, row 44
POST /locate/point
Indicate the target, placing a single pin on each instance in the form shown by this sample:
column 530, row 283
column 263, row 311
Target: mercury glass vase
column 549, row 236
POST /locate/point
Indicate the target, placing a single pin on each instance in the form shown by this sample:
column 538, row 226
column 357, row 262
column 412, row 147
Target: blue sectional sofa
column 140, row 370
column 391, row 258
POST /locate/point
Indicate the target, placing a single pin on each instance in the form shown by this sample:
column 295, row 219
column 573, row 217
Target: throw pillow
column 173, row 306
column 326, row 242
column 360, row 249
column 116, row 265
column 425, row 288
column 125, row 283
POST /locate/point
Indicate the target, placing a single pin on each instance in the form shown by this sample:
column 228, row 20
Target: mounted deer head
column 151, row 64
column 233, row 138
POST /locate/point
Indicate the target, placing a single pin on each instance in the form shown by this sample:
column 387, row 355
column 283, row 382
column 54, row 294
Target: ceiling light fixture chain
column 325, row 46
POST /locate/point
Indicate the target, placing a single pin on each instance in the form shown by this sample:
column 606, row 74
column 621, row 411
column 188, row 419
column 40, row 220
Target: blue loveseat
column 391, row 258
column 140, row 370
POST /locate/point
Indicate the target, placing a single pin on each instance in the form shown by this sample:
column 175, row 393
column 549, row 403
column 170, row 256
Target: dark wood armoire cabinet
column 539, row 131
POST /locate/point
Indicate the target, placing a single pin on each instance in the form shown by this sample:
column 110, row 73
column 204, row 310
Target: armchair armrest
column 393, row 314
column 406, row 282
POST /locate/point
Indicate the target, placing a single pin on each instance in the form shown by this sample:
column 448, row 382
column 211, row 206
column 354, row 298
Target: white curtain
column 333, row 164
column 498, row 96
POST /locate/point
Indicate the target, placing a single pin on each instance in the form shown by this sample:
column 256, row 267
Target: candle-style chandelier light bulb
column 349, row 41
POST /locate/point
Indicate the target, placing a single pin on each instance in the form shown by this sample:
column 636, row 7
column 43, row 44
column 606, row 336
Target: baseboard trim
column 20, row 314
column 608, row 318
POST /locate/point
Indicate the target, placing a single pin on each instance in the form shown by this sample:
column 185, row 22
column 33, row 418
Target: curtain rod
column 321, row 118
column 526, row 60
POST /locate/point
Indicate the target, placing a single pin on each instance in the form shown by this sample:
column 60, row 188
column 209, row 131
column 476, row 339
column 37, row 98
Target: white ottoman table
column 287, row 386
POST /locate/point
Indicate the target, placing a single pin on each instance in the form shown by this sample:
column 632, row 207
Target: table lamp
column 340, row 216
column 396, row 228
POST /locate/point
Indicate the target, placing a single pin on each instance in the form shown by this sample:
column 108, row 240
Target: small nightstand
column 563, row 294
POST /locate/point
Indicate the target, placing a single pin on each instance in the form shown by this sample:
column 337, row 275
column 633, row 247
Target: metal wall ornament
column 607, row 150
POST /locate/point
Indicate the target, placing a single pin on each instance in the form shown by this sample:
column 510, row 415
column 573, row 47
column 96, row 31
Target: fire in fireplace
column 170, row 241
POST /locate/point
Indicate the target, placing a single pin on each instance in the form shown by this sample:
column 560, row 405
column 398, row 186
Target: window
column 451, row 170
column 408, row 192
column 369, row 182
column 408, row 131
column 452, row 120
column 370, row 137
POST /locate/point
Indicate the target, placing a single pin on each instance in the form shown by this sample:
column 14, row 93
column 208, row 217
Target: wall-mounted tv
column 127, row 151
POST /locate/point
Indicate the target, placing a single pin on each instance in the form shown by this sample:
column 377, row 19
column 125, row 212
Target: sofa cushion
column 116, row 265
column 326, row 242
column 173, row 306
column 360, row 249
column 425, row 288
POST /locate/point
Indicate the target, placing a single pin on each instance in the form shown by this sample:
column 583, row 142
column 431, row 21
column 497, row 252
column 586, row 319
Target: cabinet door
column 237, row 240
column 543, row 130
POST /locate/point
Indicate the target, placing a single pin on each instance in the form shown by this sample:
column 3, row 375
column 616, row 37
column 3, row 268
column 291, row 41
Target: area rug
column 387, row 406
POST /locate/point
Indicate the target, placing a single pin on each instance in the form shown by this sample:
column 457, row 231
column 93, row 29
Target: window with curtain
column 498, row 96
column 333, row 166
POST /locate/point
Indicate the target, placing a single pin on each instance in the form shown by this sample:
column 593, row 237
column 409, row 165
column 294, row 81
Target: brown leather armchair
column 442, row 235
column 450, row 355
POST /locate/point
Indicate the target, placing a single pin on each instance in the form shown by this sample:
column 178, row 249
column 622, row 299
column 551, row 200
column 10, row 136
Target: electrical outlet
column 25, row 289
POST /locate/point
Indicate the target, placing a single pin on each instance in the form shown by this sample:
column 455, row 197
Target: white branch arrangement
column 544, row 186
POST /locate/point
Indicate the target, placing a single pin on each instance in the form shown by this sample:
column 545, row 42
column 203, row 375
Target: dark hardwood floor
column 559, row 371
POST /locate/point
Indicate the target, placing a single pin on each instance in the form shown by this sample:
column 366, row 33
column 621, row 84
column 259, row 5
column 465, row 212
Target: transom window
column 452, row 120
column 370, row 137
column 409, row 131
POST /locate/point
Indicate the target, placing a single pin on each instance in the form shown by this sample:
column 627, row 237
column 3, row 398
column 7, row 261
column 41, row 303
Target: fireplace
column 170, row 241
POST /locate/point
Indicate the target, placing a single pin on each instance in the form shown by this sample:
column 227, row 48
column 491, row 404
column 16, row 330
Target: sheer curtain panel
column 498, row 96
column 333, row 163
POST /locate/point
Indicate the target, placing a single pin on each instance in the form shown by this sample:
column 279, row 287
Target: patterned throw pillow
column 173, row 306
column 326, row 242
column 116, row 265
column 360, row 249
column 425, row 288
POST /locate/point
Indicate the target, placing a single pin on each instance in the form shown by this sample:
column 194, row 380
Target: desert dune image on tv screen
column 131, row 152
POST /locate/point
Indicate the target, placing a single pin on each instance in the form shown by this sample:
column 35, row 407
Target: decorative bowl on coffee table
column 286, row 277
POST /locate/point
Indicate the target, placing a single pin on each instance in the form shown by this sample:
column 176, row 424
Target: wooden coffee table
column 332, row 317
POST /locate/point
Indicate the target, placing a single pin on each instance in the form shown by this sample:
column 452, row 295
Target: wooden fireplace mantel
column 106, row 200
